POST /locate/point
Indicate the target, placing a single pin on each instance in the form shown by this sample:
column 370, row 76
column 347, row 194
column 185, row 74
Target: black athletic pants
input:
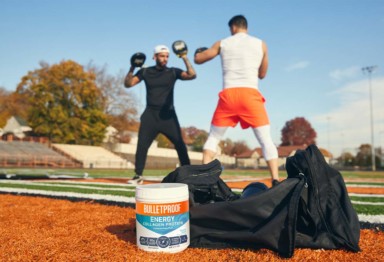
column 152, row 123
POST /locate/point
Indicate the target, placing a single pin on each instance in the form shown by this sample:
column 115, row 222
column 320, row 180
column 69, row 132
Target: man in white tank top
column 244, row 61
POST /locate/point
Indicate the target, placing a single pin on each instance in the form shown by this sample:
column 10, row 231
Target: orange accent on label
column 162, row 209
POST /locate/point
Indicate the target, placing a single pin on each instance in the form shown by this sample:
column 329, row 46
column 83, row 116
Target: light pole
column 369, row 70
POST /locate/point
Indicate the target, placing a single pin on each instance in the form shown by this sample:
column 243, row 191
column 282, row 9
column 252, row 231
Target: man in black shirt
column 159, row 115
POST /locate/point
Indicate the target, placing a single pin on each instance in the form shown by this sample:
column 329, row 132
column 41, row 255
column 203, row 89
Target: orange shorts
column 240, row 104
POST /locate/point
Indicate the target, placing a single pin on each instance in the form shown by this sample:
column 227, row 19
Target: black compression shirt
column 160, row 85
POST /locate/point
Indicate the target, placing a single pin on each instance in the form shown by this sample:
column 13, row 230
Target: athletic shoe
column 275, row 182
column 136, row 180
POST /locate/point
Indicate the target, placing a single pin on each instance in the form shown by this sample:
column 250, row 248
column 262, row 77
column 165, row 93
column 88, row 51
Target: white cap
column 160, row 49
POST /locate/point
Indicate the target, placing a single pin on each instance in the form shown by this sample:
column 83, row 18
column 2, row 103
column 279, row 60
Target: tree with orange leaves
column 298, row 131
column 64, row 103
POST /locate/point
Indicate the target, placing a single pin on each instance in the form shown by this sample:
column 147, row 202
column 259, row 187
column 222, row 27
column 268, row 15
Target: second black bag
column 204, row 183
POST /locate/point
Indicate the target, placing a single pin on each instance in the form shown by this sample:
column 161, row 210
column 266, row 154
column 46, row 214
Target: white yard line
column 366, row 195
column 71, row 186
column 69, row 194
column 87, row 183
column 368, row 203
column 376, row 219
column 131, row 200
column 365, row 186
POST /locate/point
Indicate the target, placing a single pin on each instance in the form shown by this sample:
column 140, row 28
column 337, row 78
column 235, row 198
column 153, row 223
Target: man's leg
column 171, row 129
column 147, row 133
column 210, row 146
column 208, row 156
column 263, row 135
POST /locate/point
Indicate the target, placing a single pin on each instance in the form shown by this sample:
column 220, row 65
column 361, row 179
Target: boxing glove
column 180, row 48
column 200, row 49
column 138, row 59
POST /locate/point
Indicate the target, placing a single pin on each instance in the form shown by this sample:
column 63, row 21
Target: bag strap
column 293, row 208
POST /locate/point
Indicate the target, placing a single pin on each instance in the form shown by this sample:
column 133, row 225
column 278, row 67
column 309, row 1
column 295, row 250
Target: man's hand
column 204, row 54
column 138, row 59
column 180, row 48
column 200, row 49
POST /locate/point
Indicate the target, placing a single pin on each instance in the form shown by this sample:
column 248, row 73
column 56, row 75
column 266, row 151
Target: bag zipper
column 306, row 157
column 202, row 174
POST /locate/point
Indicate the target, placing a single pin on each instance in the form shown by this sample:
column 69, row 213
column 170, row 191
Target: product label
column 163, row 241
column 162, row 219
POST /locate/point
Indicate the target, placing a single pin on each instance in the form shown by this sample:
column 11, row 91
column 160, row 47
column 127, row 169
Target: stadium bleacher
column 93, row 156
column 32, row 154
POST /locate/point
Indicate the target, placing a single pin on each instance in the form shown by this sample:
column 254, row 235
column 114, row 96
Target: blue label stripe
column 163, row 224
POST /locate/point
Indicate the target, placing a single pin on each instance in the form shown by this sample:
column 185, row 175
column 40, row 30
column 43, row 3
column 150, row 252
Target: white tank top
column 241, row 56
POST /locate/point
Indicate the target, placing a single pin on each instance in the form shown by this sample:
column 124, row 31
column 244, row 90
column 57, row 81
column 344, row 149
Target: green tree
column 64, row 103
column 364, row 156
column 195, row 137
column 298, row 131
column 347, row 159
column 163, row 141
column 199, row 141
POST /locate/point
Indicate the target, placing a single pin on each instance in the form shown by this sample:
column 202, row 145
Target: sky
column 317, row 50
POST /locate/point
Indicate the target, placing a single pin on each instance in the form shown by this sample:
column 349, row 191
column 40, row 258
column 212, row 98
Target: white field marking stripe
column 7, row 181
column 366, row 195
column 115, row 185
column 150, row 178
column 237, row 190
column 70, row 194
column 362, row 217
column 377, row 219
column 83, row 183
column 77, row 186
column 132, row 186
column 53, row 182
column 368, row 203
column 370, row 186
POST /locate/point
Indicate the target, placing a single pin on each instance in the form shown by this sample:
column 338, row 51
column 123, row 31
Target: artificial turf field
column 37, row 227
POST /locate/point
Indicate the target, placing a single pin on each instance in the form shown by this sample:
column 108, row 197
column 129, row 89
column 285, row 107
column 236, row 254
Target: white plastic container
column 162, row 217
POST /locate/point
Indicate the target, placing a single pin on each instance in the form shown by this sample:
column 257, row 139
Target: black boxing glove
column 138, row 59
column 180, row 48
column 200, row 49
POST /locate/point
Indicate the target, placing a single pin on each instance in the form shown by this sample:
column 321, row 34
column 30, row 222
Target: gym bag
column 309, row 209
column 204, row 183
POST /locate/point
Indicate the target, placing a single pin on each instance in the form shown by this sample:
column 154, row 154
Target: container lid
column 162, row 191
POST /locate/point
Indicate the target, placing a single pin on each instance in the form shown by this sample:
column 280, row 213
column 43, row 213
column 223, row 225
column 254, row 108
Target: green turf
column 362, row 174
column 365, row 183
column 127, row 173
column 368, row 209
column 102, row 173
column 368, row 199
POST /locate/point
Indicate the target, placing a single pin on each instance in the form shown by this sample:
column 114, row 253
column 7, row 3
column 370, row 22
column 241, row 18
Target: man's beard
column 161, row 64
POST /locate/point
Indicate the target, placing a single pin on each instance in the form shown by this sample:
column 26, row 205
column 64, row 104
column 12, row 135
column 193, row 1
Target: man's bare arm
column 131, row 80
column 190, row 73
column 264, row 62
column 208, row 54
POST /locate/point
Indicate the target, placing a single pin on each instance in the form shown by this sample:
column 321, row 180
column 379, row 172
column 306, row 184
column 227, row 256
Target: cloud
column 348, row 125
column 297, row 66
column 346, row 73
